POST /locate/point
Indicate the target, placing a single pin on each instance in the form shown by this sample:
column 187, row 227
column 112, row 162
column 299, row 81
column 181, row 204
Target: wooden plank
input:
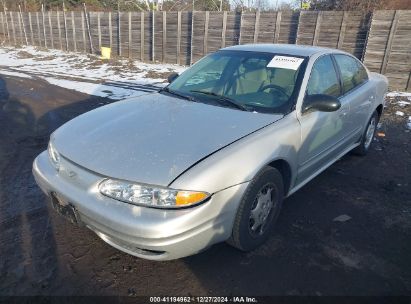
column 83, row 31
column 7, row 26
column 191, row 37
column 31, row 29
column 223, row 32
column 73, row 24
column 256, row 26
column 343, row 26
column 388, row 47
column 65, row 27
column 317, row 28
column 152, row 35
column 129, row 35
column 38, row 28
column 142, row 36
column 43, row 18
column 87, row 16
column 205, row 41
column 164, row 35
column 178, row 36
column 19, row 19
column 99, row 30
column 13, row 28
column 59, row 30
column 119, row 33
column 241, row 25
column 3, row 27
column 110, row 29
column 277, row 27
column 24, row 26
column 51, row 30
column 366, row 38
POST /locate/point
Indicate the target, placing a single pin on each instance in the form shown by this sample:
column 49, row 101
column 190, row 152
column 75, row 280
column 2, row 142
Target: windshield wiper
column 223, row 98
column 166, row 89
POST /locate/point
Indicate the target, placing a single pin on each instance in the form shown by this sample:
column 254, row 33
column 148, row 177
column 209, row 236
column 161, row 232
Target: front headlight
column 150, row 196
column 54, row 156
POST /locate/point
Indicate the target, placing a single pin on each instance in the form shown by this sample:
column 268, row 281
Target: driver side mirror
column 321, row 102
column 173, row 76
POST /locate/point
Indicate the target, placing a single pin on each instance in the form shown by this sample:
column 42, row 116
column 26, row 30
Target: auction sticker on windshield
column 285, row 62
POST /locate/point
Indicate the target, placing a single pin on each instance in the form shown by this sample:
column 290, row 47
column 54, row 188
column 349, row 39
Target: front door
column 322, row 133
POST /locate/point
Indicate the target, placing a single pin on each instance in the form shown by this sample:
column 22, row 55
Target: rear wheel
column 368, row 135
column 258, row 210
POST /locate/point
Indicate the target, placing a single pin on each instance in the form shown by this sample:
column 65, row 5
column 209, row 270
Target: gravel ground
column 367, row 252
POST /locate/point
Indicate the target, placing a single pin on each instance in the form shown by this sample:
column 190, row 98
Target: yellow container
column 105, row 52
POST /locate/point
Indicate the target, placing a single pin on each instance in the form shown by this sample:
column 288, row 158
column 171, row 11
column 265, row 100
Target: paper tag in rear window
column 285, row 62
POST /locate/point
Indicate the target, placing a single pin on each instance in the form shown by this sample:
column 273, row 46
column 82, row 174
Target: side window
column 323, row 78
column 353, row 73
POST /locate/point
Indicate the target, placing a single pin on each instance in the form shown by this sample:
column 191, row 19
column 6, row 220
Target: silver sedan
column 211, row 157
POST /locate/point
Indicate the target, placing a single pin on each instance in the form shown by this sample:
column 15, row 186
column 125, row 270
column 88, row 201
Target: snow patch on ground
column 95, row 89
column 86, row 73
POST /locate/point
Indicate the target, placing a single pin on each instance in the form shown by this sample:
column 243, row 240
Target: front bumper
column 155, row 234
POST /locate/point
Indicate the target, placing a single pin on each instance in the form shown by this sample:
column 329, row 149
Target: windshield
column 244, row 80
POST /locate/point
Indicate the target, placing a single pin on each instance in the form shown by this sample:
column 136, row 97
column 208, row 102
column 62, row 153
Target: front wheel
column 258, row 210
column 368, row 135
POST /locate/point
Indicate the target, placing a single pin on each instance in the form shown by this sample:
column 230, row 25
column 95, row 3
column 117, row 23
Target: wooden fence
column 381, row 39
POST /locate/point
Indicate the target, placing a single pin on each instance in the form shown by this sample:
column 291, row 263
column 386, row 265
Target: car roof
column 289, row 49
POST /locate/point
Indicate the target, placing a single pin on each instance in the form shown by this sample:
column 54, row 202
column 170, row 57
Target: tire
column 250, row 230
column 368, row 135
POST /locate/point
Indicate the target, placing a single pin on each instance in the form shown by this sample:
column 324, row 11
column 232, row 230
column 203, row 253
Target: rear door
column 322, row 133
column 358, row 92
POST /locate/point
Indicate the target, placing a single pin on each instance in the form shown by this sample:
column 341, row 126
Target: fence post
column 87, row 16
column 13, row 28
column 178, row 36
column 83, row 30
column 191, row 37
column 152, row 36
column 205, row 42
column 20, row 28
column 110, row 29
column 99, row 30
column 119, row 32
column 277, row 27
column 364, row 50
column 65, row 26
column 241, row 25
column 51, row 31
column 38, row 28
column 44, row 25
column 73, row 24
column 224, row 29
column 2, row 26
column 317, row 27
column 31, row 29
column 7, row 26
column 387, row 52
column 342, row 31
column 129, row 35
column 164, row 35
column 256, row 26
column 59, row 29
column 142, row 36
column 24, row 27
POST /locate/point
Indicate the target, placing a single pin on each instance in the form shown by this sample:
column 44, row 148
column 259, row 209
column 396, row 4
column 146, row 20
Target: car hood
column 152, row 138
